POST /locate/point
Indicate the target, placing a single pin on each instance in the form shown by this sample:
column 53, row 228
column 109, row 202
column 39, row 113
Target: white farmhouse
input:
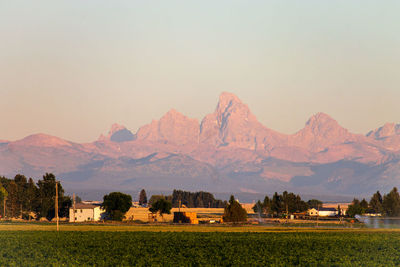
column 86, row 213
column 323, row 212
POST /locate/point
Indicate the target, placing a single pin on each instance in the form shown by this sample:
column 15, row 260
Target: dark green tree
column 276, row 204
column 31, row 197
column 292, row 203
column 21, row 182
column 258, row 207
column 391, row 203
column 3, row 195
column 234, row 212
column 161, row 206
column 376, row 202
column 267, row 205
column 196, row 199
column 364, row 206
column 155, row 198
column 116, row 204
column 314, row 203
column 12, row 200
column 25, row 197
column 142, row 197
column 46, row 196
column 66, row 203
column 355, row 208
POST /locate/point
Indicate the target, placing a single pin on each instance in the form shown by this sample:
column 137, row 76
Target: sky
column 72, row 68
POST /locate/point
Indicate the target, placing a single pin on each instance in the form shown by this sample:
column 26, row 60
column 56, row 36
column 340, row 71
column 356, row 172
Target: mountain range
column 229, row 150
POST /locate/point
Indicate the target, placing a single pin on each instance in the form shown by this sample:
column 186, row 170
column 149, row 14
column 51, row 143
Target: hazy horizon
column 73, row 68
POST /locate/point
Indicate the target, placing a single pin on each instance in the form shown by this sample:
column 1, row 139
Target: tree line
column 23, row 197
column 190, row 199
column 387, row 205
column 284, row 203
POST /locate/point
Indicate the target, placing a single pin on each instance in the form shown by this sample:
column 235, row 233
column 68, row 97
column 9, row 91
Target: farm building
column 85, row 213
column 323, row 212
column 342, row 206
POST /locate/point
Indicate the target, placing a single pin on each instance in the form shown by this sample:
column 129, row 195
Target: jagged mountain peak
column 226, row 99
column 118, row 133
column 321, row 118
column 233, row 124
column 323, row 124
column 321, row 131
column 116, row 127
column 175, row 115
column 388, row 129
column 228, row 104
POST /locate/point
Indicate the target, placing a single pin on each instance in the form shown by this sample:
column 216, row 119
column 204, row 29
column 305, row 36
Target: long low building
column 323, row 212
column 86, row 213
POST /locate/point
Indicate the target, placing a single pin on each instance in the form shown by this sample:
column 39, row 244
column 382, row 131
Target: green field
column 213, row 246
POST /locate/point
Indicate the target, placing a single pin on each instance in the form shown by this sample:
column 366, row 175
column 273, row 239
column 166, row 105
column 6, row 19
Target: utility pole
column 56, row 205
column 317, row 214
column 4, row 213
column 287, row 213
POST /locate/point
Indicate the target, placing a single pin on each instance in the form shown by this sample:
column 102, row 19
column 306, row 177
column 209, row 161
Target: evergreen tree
column 25, row 197
column 276, row 204
column 21, row 182
column 267, row 205
column 12, row 200
column 258, row 208
column 31, row 197
column 376, row 203
column 46, row 196
column 363, row 206
column 142, row 197
column 391, row 203
column 196, row 199
column 234, row 212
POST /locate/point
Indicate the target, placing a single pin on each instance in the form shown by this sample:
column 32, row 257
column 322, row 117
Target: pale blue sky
column 72, row 68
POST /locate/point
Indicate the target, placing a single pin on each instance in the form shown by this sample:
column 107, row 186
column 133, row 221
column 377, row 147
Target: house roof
column 84, row 206
column 324, row 209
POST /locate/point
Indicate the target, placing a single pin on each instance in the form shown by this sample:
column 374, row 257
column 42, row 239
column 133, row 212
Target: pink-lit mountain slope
column 229, row 149
column 387, row 136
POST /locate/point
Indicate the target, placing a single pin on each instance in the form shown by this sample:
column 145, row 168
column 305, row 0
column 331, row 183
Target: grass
column 65, row 227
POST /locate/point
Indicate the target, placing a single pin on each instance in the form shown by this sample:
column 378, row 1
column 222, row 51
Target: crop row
column 36, row 248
